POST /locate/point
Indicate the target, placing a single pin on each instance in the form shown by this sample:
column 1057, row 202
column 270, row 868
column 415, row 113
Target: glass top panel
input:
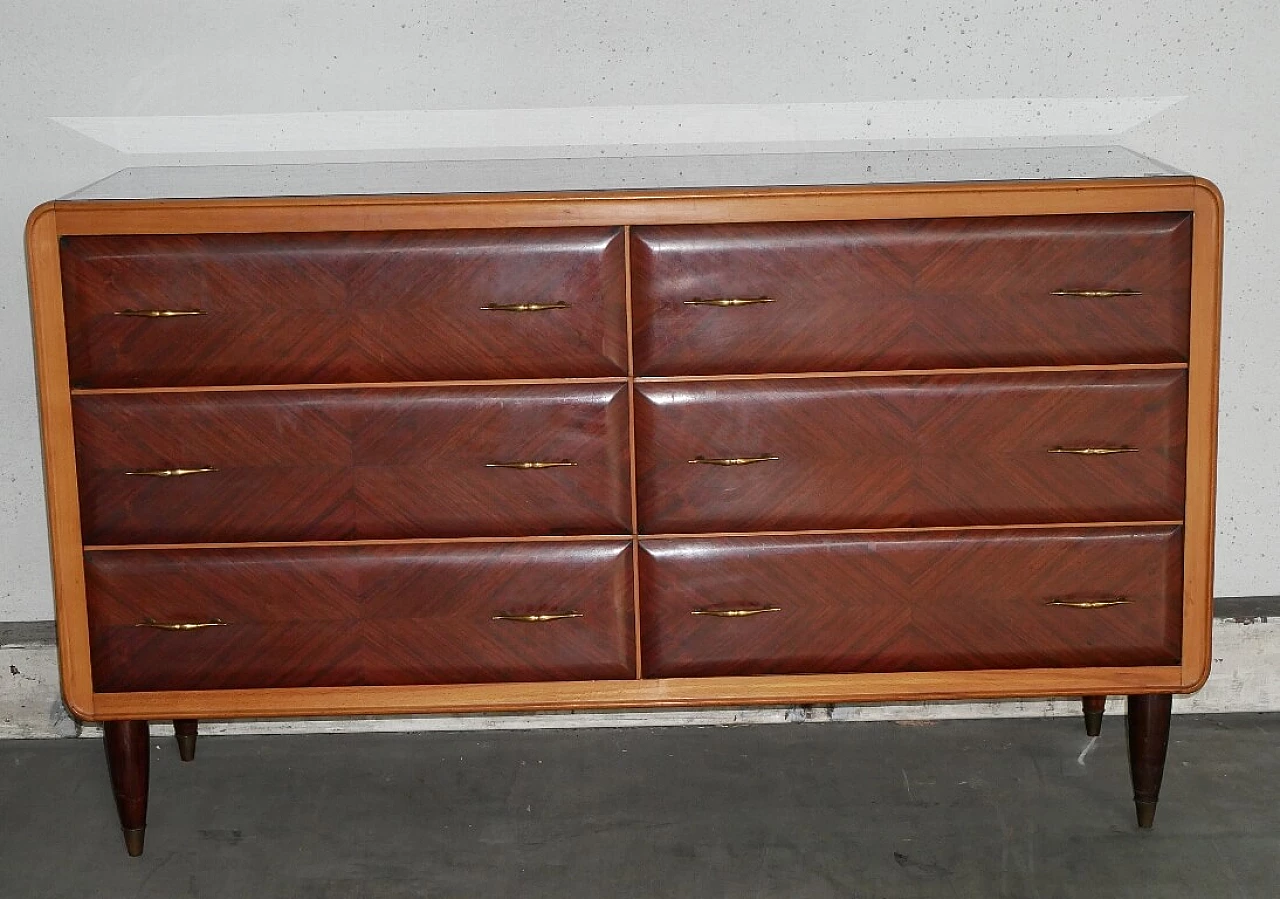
column 622, row 173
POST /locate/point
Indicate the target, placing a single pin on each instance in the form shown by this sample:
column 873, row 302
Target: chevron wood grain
column 884, row 370
column 916, row 294
column 910, row 451
column 939, row 601
column 350, row 616
column 344, row 307
column 351, row 463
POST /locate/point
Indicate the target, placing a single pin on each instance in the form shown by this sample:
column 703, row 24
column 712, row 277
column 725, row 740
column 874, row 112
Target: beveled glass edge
column 621, row 173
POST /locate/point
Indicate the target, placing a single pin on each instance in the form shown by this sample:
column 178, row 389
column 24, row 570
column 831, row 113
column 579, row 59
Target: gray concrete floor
column 873, row 811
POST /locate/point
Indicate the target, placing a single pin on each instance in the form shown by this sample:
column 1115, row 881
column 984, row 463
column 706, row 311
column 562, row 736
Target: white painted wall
column 653, row 75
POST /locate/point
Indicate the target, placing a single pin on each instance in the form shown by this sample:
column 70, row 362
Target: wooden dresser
column 557, row 434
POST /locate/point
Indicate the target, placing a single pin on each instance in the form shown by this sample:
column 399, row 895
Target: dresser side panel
column 1202, row 432
column 58, row 446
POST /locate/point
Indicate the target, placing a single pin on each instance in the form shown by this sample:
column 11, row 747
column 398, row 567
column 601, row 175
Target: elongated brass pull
column 531, row 466
column 739, row 460
column 523, row 307
column 169, row 472
column 539, row 617
column 734, row 613
column 160, row 313
column 1095, row 294
column 1090, row 604
column 729, row 301
column 180, row 625
column 1094, row 450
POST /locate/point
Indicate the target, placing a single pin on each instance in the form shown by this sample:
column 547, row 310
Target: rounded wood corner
column 46, row 208
column 1208, row 192
column 80, row 705
column 1194, row 677
column 38, row 215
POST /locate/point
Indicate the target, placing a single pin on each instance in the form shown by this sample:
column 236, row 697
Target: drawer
column 334, row 616
column 346, row 307
column 911, row 294
column 913, row 450
column 353, row 463
column 935, row 601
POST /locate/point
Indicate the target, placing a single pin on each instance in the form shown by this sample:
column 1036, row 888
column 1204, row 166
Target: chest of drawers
column 491, row 438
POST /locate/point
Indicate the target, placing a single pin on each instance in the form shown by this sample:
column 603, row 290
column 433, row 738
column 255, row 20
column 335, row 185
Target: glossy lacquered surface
column 342, row 307
column 353, row 463
column 360, row 615
column 911, row 294
column 944, row 340
column 632, row 211
column 929, row 450
column 940, row 601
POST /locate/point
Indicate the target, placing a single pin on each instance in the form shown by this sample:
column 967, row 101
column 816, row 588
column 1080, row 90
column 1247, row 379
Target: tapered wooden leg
column 1148, row 726
column 184, row 731
column 1094, row 706
column 129, row 764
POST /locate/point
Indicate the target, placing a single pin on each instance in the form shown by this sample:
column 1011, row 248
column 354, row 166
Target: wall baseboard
column 1246, row 678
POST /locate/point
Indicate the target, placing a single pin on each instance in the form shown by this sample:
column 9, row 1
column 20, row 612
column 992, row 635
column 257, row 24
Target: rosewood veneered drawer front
column 936, row 601
column 348, row 307
column 911, row 294
column 206, row 619
column 335, row 464
column 940, row 450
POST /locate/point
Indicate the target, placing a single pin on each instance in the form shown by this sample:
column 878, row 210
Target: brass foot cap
column 133, row 841
column 1146, row 813
column 187, row 747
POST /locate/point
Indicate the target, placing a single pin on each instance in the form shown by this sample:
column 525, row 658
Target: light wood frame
column 53, row 220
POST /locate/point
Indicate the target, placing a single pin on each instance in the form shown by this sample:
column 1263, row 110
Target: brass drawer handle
column 1089, row 604
column 523, row 307
column 180, row 625
column 1094, row 450
column 160, row 313
column 734, row 613
column 531, row 466
column 740, row 460
column 729, row 301
column 169, row 472
column 539, row 618
column 1095, row 294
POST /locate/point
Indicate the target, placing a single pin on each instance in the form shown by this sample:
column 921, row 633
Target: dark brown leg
column 184, row 731
column 1093, row 709
column 1148, row 726
column 129, row 763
